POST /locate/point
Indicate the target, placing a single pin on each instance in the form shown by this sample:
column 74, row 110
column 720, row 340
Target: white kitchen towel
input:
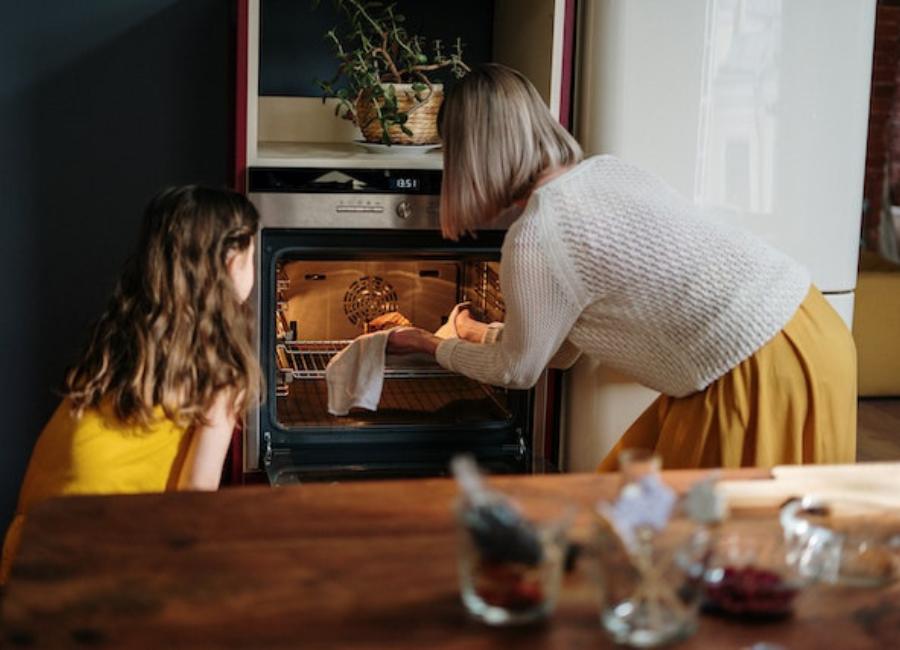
column 355, row 376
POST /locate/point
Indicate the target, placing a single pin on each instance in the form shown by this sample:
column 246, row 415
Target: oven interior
column 321, row 305
column 320, row 289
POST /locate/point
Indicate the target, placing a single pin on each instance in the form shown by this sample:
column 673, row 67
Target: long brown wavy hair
column 175, row 332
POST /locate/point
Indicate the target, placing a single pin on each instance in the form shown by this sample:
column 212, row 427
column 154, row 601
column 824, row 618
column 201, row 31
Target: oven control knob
column 404, row 210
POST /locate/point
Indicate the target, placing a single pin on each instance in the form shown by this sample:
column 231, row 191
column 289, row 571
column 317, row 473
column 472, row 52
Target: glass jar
column 748, row 576
column 650, row 592
column 511, row 556
column 650, row 558
column 843, row 541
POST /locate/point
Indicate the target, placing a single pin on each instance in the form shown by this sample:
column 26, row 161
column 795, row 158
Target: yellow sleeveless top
column 96, row 454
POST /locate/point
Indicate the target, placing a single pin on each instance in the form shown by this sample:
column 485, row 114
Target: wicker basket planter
column 421, row 120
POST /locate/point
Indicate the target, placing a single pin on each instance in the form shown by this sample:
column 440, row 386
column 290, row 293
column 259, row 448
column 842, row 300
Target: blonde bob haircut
column 498, row 137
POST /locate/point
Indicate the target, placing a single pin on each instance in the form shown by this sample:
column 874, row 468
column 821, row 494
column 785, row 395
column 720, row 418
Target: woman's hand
column 408, row 340
column 469, row 329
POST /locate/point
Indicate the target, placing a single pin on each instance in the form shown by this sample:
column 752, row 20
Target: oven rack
column 483, row 291
column 308, row 360
column 447, row 400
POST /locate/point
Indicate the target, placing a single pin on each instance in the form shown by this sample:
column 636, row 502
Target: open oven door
column 324, row 286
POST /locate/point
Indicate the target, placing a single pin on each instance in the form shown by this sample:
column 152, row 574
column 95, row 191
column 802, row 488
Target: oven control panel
column 402, row 208
column 346, row 198
column 421, row 182
column 362, row 207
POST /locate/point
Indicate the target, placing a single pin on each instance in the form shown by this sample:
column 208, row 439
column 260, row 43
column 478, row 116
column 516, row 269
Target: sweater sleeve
column 540, row 313
column 564, row 358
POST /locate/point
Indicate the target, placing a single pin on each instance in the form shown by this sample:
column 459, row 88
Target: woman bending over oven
column 607, row 260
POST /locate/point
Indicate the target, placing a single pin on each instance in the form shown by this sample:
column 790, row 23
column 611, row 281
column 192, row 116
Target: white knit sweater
column 608, row 260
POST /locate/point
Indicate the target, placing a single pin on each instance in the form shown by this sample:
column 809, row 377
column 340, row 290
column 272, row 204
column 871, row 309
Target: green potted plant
column 383, row 81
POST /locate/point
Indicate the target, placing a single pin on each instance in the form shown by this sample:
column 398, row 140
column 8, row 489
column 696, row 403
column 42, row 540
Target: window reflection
column 739, row 101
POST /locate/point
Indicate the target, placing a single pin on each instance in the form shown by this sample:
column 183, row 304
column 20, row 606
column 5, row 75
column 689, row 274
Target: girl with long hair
column 605, row 259
column 152, row 402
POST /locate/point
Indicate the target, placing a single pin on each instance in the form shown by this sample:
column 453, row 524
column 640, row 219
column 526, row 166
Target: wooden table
column 355, row 565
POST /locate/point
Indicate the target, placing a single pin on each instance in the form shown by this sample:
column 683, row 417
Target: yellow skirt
column 793, row 401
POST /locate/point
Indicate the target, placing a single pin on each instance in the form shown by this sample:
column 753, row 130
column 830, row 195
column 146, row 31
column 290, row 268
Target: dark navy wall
column 101, row 104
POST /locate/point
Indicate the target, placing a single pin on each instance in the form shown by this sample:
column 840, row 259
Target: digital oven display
column 403, row 183
column 344, row 180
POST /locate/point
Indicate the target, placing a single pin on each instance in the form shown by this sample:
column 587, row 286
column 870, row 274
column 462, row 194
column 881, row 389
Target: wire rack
column 452, row 399
column 482, row 289
column 308, row 360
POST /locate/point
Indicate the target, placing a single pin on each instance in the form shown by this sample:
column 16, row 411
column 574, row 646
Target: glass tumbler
column 511, row 556
column 651, row 590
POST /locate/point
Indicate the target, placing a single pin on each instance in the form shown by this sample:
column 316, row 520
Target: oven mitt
column 355, row 376
column 448, row 329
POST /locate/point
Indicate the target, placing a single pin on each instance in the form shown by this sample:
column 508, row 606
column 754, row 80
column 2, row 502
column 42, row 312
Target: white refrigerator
column 755, row 109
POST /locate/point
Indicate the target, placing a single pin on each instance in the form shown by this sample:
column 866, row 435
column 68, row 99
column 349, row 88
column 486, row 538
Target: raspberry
column 750, row 591
column 508, row 585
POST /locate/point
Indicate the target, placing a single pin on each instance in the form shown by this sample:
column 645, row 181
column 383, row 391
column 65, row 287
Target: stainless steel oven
column 338, row 248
